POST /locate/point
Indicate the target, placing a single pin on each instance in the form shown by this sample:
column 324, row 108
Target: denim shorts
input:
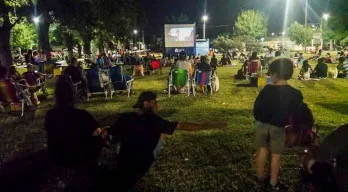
column 270, row 136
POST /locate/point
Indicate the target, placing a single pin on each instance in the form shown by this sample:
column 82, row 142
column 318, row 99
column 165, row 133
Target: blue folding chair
column 98, row 82
column 202, row 78
column 119, row 81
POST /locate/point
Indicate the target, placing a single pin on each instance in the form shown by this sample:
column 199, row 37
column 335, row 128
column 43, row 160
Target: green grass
column 209, row 160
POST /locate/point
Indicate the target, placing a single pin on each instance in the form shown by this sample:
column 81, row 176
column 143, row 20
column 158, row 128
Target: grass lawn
column 212, row 160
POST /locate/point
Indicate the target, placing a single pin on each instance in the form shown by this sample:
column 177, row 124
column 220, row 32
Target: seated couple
column 74, row 70
column 29, row 80
column 320, row 71
column 76, row 142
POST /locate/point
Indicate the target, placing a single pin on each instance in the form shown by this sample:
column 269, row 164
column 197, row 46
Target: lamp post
column 306, row 24
column 325, row 17
column 204, row 18
column 135, row 32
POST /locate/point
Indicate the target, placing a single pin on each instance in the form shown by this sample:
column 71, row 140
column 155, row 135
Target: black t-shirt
column 275, row 105
column 139, row 135
column 74, row 72
column 70, row 140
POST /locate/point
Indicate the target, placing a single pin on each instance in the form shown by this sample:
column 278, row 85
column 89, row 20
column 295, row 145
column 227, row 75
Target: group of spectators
column 31, row 80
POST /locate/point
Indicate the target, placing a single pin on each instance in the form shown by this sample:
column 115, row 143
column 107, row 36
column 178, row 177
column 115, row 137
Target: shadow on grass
column 340, row 107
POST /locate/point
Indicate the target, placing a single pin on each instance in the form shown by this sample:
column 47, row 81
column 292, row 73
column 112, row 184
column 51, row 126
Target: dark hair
column 283, row 68
column 3, row 71
column 254, row 56
column 64, row 93
column 73, row 60
column 203, row 59
column 12, row 70
column 305, row 65
column 278, row 53
column 144, row 96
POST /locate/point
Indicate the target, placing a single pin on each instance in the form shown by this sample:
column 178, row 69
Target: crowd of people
column 76, row 142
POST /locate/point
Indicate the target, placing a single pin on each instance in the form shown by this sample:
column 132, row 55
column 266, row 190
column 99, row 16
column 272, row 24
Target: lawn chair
column 202, row 78
column 179, row 78
column 13, row 93
column 98, row 82
column 119, row 81
column 156, row 66
column 253, row 66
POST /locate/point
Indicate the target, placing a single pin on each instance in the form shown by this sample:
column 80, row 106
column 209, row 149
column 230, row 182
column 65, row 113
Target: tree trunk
column 87, row 47
column 5, row 49
column 44, row 43
column 79, row 50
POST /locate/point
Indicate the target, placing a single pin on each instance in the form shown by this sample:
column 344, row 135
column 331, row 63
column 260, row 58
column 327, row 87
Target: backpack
column 300, row 131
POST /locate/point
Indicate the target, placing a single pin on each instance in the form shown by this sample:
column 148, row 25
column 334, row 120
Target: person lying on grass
column 139, row 133
column 272, row 109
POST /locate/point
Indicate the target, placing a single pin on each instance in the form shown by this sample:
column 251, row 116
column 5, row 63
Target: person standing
column 273, row 108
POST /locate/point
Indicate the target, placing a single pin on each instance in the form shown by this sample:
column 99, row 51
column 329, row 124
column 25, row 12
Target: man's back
column 74, row 72
column 69, row 133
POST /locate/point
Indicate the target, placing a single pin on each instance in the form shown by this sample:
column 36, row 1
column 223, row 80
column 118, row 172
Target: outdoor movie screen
column 180, row 35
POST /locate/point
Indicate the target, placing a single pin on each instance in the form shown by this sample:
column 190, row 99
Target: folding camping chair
column 156, row 66
column 13, row 93
column 202, row 78
column 98, row 82
column 119, row 81
column 179, row 78
column 253, row 66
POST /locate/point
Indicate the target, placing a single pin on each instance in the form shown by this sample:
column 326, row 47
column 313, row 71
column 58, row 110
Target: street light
column 36, row 20
column 135, row 32
column 262, row 39
column 272, row 34
column 326, row 16
column 204, row 18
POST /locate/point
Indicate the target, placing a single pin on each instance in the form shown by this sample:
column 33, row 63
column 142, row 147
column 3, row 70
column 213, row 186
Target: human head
column 12, row 70
column 214, row 56
column 278, row 53
column 35, row 53
column 281, row 69
column 321, row 60
column 30, row 52
column 74, row 62
column 147, row 101
column 254, row 54
column 301, row 54
column 203, row 59
column 30, row 68
column 305, row 63
column 64, row 93
column 3, row 72
column 182, row 55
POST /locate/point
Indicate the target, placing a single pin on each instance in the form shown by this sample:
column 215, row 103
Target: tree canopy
column 225, row 43
column 252, row 24
column 23, row 35
column 299, row 34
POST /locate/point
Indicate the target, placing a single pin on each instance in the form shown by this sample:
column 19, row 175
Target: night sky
column 223, row 13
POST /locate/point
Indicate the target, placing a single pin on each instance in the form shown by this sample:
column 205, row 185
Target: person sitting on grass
column 330, row 160
column 139, row 133
column 273, row 108
column 328, row 58
column 306, row 71
column 73, row 136
column 342, row 68
column 223, row 60
column 320, row 71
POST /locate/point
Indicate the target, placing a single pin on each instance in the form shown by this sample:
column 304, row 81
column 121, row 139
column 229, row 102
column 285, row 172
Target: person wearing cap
column 139, row 133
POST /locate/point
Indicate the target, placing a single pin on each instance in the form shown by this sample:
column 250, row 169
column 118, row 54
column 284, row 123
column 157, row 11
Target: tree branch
column 16, row 22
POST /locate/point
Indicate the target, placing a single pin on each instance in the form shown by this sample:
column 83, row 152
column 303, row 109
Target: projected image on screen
column 180, row 35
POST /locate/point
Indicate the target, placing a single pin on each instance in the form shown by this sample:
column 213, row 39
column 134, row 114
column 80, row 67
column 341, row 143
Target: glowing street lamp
column 262, row 39
column 36, row 20
column 135, row 32
column 205, row 19
column 326, row 16
column 272, row 34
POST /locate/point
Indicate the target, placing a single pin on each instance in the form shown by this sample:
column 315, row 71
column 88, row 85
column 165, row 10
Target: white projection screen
column 180, row 35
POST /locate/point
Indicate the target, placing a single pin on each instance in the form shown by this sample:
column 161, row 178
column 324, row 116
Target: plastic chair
column 179, row 78
column 120, row 81
column 202, row 78
column 253, row 66
column 97, row 83
column 156, row 66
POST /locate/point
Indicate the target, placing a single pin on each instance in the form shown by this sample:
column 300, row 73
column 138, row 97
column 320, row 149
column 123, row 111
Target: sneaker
column 278, row 187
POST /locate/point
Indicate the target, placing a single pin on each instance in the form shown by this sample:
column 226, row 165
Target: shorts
column 270, row 136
